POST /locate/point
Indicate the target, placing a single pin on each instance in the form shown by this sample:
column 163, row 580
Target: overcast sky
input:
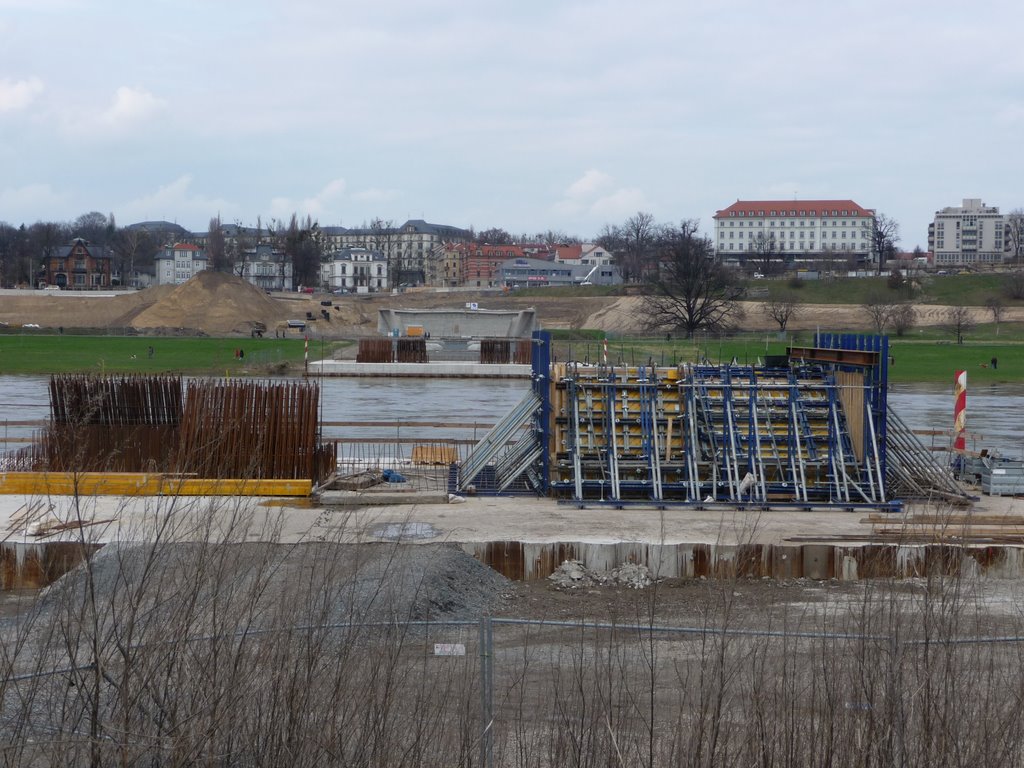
column 523, row 114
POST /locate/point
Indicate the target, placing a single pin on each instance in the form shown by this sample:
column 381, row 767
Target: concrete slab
column 378, row 497
column 528, row 538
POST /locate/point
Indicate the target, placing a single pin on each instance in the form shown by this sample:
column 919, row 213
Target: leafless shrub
column 782, row 309
column 903, row 318
column 879, row 311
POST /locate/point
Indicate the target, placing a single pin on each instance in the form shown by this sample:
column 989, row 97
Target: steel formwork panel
column 705, row 433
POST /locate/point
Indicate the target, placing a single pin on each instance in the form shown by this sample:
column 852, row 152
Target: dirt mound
column 215, row 303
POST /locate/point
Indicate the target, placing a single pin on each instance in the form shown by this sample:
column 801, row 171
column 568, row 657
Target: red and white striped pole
column 306, row 354
column 605, row 351
column 960, row 411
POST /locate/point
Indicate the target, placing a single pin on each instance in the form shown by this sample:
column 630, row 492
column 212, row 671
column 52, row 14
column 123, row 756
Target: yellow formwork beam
column 143, row 484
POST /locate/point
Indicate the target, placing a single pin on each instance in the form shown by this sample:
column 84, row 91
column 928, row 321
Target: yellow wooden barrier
column 143, row 484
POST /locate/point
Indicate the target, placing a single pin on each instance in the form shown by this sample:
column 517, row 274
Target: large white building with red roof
column 795, row 229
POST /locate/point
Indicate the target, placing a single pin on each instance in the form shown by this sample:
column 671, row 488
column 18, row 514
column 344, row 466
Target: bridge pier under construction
column 811, row 428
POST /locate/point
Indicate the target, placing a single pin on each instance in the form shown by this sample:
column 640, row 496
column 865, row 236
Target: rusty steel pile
column 411, row 351
column 503, row 351
column 205, row 429
column 111, row 423
column 374, row 351
column 253, row 429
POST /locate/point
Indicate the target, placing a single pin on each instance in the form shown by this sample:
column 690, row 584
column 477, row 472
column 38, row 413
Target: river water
column 996, row 413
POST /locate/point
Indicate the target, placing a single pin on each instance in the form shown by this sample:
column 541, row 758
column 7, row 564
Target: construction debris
column 572, row 574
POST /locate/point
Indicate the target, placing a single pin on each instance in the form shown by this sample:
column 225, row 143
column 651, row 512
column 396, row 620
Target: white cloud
column 18, row 94
column 595, row 196
column 131, row 106
column 619, row 204
column 316, row 206
column 589, row 184
column 177, row 202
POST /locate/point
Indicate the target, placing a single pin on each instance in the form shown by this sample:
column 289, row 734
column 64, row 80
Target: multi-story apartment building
column 794, row 229
column 355, row 270
column 179, row 263
column 584, row 254
column 966, row 235
column 79, row 266
column 408, row 248
column 265, row 267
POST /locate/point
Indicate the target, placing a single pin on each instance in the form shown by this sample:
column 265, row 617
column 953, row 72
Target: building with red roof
column 794, row 229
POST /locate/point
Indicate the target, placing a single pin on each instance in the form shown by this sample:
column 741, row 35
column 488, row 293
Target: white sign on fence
column 449, row 649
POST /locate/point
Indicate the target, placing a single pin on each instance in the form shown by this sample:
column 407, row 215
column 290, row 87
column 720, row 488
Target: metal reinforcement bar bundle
column 111, row 423
column 251, row 429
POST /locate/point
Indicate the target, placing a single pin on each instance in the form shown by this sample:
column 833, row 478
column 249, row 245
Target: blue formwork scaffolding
column 804, row 434
column 812, row 430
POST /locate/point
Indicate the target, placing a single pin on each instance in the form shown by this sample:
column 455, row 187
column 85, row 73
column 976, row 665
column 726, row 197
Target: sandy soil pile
column 215, row 303
column 77, row 310
column 221, row 304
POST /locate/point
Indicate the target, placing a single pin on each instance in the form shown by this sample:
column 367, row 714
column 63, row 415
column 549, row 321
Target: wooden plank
column 144, row 484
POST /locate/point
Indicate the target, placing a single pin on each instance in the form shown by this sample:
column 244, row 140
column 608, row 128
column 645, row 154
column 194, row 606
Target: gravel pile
column 192, row 588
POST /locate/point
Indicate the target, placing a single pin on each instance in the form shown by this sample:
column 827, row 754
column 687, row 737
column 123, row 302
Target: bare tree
column 301, row 245
column 216, row 248
column 765, row 252
column 494, row 236
column 244, row 243
column 996, row 307
column 94, row 227
column 884, row 235
column 690, row 290
column 639, row 236
column 132, row 246
column 903, row 317
column 1013, row 235
column 959, row 322
column 879, row 310
column 782, row 309
column 1013, row 285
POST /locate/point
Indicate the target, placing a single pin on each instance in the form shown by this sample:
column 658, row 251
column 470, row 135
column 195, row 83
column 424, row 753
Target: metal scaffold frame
column 700, row 435
column 814, row 432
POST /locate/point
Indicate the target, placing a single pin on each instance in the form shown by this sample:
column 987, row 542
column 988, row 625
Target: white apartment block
column 970, row 234
column 797, row 229
column 179, row 263
column 355, row 270
column 408, row 247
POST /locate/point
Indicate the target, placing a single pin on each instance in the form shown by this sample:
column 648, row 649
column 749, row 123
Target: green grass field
column 926, row 357
column 26, row 353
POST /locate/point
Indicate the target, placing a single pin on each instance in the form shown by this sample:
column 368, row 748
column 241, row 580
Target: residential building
column 78, row 266
column 967, row 235
column 796, row 230
column 408, row 248
column 446, row 266
column 179, row 263
column 583, row 253
column 528, row 273
column 355, row 270
column 481, row 262
column 265, row 267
